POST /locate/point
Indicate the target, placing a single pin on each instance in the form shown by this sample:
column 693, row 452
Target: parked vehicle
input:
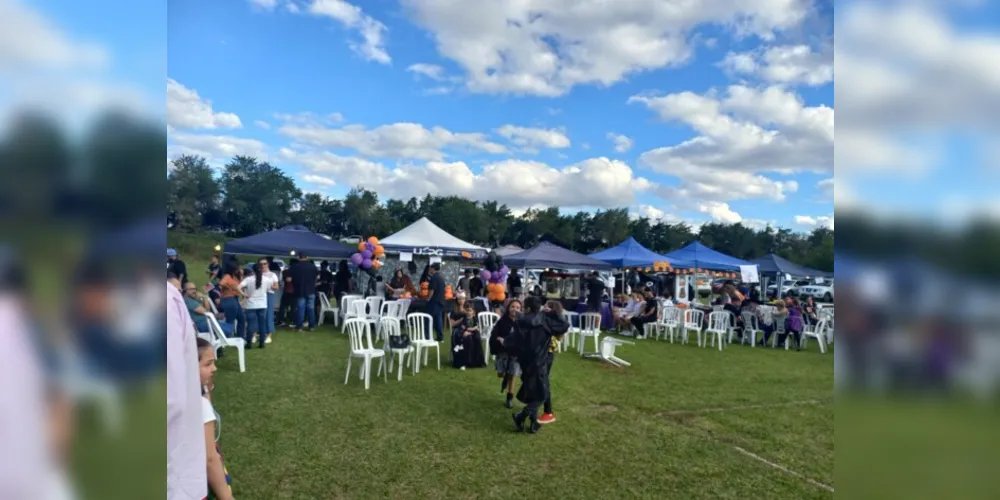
column 788, row 287
column 822, row 292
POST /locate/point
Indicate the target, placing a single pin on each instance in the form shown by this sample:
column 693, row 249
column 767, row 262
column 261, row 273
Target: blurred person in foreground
column 35, row 413
column 186, row 476
column 219, row 482
column 530, row 343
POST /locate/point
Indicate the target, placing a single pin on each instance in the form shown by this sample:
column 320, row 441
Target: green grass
column 292, row 429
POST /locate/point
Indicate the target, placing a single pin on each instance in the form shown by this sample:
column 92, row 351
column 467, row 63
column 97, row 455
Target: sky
column 715, row 113
column 718, row 112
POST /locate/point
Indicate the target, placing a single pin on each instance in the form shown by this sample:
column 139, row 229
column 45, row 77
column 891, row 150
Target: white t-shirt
column 208, row 415
column 257, row 297
column 273, row 277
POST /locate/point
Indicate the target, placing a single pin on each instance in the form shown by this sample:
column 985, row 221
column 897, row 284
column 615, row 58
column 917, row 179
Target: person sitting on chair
column 466, row 344
column 648, row 314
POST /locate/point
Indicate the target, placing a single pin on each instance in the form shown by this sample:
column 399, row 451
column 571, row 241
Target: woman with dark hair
column 530, row 342
column 256, row 288
column 506, row 364
column 466, row 345
column 400, row 283
column 231, row 292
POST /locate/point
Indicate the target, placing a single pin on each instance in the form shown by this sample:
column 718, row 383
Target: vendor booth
column 562, row 285
column 697, row 258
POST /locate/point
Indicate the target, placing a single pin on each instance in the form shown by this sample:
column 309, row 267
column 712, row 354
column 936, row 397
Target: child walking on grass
column 530, row 342
column 506, row 364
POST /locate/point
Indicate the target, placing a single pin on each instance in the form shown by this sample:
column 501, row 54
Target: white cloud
column 547, row 47
column 821, row 221
column 530, row 139
column 264, row 4
column 742, row 133
column 654, row 214
column 372, row 46
column 720, row 212
column 217, row 149
column 432, row 71
column 318, row 179
column 262, row 124
column 596, row 182
column 785, row 64
column 397, row 140
column 622, row 143
column 825, row 187
column 187, row 110
column 28, row 41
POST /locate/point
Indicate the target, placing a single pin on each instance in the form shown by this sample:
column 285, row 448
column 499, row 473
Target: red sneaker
column 546, row 418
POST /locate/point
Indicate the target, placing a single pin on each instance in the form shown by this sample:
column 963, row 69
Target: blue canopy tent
column 775, row 264
column 547, row 255
column 700, row 256
column 630, row 253
column 286, row 240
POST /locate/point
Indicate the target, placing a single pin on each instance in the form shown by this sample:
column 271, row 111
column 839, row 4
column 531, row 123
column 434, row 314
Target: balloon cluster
column 369, row 256
column 494, row 274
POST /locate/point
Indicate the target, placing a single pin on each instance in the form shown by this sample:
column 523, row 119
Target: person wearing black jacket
column 530, row 342
column 506, row 364
column 304, row 275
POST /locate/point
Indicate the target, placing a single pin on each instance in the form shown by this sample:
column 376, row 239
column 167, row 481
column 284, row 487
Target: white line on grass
column 786, row 470
column 745, row 407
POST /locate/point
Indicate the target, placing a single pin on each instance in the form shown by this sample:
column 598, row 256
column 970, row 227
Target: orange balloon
column 373, row 240
column 362, row 247
column 379, row 250
column 501, row 297
column 376, row 264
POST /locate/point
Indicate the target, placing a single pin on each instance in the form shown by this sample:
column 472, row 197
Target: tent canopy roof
column 283, row 241
column 629, row 253
column 507, row 250
column 546, row 254
column 424, row 233
column 697, row 255
column 774, row 264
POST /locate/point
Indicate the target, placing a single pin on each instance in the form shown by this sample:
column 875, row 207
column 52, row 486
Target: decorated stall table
column 607, row 317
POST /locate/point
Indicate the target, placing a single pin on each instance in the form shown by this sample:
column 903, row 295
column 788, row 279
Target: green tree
column 192, row 192
column 258, row 196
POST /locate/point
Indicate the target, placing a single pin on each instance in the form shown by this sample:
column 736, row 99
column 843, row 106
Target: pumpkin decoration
column 448, row 295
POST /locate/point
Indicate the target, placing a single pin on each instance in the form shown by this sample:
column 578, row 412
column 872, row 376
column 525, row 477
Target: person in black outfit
column 648, row 314
column 325, row 279
column 466, row 344
column 304, row 275
column 435, row 303
column 514, row 286
column 530, row 344
column 595, row 291
column 177, row 266
column 505, row 364
column 342, row 283
column 475, row 287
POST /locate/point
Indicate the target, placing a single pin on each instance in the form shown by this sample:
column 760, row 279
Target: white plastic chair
column 654, row 327
column 817, row 332
column 672, row 320
column 362, row 347
column 590, row 326
column 779, row 329
column 693, row 319
column 422, row 338
column 345, row 306
column 325, row 307
column 607, row 351
column 389, row 326
column 357, row 309
column 389, row 309
column 374, row 309
column 487, row 321
column 570, row 340
column 718, row 327
column 211, row 304
column 751, row 327
column 218, row 340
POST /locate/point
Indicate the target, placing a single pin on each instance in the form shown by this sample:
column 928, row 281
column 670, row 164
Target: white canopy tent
column 423, row 237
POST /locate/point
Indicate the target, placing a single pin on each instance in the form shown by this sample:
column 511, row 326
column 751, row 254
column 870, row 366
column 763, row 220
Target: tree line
column 250, row 196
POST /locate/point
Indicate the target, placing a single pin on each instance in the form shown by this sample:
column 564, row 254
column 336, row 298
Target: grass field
column 671, row 426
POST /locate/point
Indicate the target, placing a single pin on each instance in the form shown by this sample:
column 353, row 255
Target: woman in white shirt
column 256, row 288
column 272, row 300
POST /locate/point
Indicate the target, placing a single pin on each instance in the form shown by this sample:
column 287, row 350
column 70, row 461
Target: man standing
column 304, row 275
column 595, row 290
column 176, row 266
column 186, row 474
column 435, row 303
column 465, row 283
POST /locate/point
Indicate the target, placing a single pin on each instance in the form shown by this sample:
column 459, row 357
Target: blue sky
column 265, row 64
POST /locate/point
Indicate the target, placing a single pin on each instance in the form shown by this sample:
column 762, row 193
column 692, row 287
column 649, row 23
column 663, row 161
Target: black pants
column 594, row 307
column 640, row 322
column 548, row 397
column 796, row 338
column 531, row 411
column 286, row 309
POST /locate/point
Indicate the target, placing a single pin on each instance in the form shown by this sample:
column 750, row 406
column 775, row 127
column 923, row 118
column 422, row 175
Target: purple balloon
column 485, row 275
column 366, row 264
column 356, row 259
column 504, row 270
column 367, row 254
column 370, row 246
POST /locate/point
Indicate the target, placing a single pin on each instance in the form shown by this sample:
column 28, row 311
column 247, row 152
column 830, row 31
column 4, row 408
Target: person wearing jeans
column 435, row 303
column 304, row 276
